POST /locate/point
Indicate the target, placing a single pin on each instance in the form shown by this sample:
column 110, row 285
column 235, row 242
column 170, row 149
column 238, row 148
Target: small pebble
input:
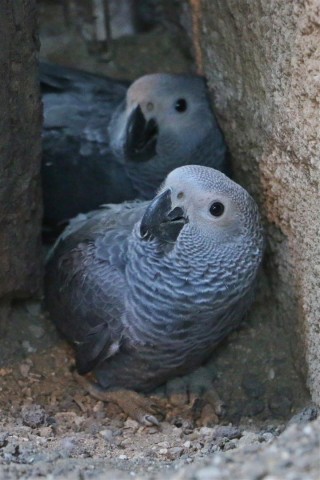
column 193, row 435
column 228, row 432
column 266, row 437
column 248, row 438
column 126, row 442
column 45, row 432
column 33, row 415
column 163, row 451
column 174, row 452
column 106, row 434
column 271, row 374
column 26, row 345
column 152, row 430
column 24, row 369
column 34, row 308
column 306, row 415
column 206, row 431
column 129, row 423
column 163, row 444
column 3, row 439
column 99, row 407
column 36, row 331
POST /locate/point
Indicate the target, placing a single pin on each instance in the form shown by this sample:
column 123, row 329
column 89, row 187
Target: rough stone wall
column 262, row 61
column 20, row 134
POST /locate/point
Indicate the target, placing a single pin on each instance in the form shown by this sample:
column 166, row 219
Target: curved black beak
column 161, row 221
column 141, row 137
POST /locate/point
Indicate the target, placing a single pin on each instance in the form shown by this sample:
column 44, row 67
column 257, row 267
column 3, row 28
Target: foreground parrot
column 146, row 290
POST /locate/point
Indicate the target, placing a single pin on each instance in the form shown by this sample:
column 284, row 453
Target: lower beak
column 141, row 137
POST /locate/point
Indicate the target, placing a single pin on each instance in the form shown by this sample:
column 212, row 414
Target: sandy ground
column 50, row 428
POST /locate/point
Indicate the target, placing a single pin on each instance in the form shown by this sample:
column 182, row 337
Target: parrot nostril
column 180, row 195
column 150, row 106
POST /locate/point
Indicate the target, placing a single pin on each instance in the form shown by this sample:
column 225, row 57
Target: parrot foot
column 193, row 398
column 212, row 409
column 201, row 411
column 138, row 407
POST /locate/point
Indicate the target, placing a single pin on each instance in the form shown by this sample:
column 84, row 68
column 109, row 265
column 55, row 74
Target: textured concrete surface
column 262, row 60
column 20, row 136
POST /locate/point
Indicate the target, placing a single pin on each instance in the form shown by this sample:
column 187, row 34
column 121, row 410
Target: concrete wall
column 262, row 61
column 20, row 134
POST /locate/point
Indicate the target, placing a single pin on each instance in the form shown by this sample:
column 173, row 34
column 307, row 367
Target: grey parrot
column 106, row 143
column 146, row 290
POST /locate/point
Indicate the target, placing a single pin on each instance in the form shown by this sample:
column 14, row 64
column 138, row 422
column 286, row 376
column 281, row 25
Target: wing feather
column 85, row 281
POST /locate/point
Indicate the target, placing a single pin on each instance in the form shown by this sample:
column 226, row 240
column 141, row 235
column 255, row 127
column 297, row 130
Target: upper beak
column 161, row 220
column 141, row 137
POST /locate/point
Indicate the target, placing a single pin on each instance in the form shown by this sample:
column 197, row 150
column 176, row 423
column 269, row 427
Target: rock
column 68, row 446
column 266, row 437
column 248, row 438
column 99, row 407
column 306, row 415
column 194, row 435
column 228, row 432
column 107, row 434
column 163, row 451
column 206, row 431
column 163, row 444
column 3, row 439
column 34, row 308
column 37, row 331
column 152, row 430
column 174, row 452
column 24, row 369
column 45, row 432
column 33, row 415
column 28, row 347
column 11, row 451
column 130, row 423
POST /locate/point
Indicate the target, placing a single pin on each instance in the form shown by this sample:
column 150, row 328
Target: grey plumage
column 187, row 131
column 104, row 143
column 145, row 291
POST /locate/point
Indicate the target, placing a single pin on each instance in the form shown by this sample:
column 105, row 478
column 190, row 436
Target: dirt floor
column 50, row 428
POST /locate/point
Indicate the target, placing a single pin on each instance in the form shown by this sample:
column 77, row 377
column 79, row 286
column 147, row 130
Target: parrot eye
column 216, row 209
column 181, row 105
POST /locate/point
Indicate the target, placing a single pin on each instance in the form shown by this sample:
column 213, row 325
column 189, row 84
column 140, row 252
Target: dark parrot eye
column 181, row 105
column 217, row 209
